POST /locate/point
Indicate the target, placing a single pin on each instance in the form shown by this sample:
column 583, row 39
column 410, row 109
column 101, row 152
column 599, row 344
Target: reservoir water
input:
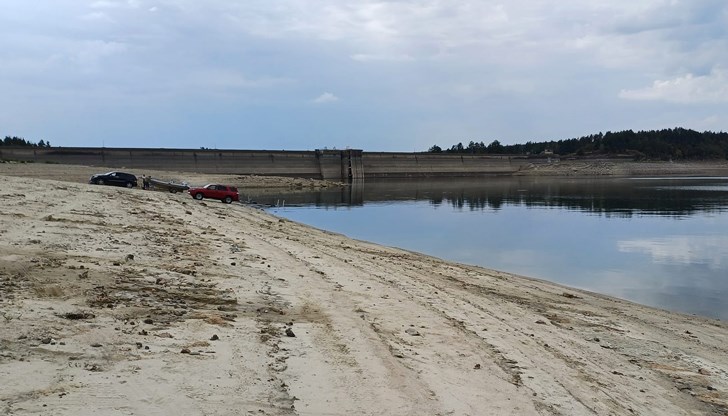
column 661, row 242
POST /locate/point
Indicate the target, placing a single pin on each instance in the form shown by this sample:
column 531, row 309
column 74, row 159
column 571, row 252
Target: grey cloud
column 478, row 68
column 670, row 15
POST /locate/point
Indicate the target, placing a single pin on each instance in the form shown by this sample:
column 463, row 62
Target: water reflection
column 682, row 249
column 657, row 242
column 612, row 197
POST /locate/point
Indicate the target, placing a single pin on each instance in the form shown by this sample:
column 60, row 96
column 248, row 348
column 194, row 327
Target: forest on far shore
column 19, row 141
column 667, row 144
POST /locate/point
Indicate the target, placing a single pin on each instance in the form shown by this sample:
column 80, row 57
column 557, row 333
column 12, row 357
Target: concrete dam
column 337, row 165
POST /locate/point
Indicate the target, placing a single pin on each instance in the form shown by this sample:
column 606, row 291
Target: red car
column 224, row 193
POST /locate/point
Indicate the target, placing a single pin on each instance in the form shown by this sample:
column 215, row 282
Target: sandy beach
column 131, row 302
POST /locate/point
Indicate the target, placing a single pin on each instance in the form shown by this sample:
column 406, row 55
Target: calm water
column 661, row 242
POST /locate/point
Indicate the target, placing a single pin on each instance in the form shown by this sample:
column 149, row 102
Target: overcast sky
column 390, row 75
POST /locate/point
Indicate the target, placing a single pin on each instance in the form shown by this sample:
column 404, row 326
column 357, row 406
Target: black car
column 115, row 178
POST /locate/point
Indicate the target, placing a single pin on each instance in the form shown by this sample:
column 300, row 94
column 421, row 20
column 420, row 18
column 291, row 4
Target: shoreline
column 626, row 168
column 556, row 167
column 113, row 298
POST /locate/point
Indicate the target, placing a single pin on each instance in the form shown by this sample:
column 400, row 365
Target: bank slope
column 128, row 301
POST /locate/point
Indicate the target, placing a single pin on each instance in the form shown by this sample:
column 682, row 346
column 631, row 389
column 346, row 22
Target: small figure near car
column 114, row 178
column 224, row 193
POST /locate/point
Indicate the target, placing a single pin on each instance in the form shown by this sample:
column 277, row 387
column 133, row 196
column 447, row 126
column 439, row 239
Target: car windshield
column 109, row 173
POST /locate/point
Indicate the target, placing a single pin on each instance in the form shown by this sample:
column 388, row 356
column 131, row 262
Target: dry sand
column 117, row 301
column 81, row 174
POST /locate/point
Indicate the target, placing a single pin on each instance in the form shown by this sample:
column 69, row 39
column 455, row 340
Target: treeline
column 19, row 141
column 667, row 144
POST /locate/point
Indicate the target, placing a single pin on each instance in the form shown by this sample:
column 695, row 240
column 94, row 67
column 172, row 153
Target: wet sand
column 118, row 301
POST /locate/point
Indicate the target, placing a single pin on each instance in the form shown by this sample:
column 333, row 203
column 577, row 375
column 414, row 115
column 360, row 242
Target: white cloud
column 105, row 4
column 324, row 98
column 711, row 88
column 96, row 16
column 217, row 80
column 363, row 57
column 115, row 4
column 91, row 54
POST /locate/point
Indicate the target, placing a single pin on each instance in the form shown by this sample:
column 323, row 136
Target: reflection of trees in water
column 621, row 202
column 608, row 197
column 477, row 203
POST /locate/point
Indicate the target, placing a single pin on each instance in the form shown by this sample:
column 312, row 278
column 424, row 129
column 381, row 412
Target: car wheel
column 129, row 185
column 198, row 196
column 174, row 191
column 227, row 200
column 100, row 181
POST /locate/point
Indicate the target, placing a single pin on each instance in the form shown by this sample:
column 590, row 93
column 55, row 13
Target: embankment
column 350, row 165
column 336, row 165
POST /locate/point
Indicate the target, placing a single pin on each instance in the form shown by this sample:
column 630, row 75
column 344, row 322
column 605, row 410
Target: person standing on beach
column 145, row 181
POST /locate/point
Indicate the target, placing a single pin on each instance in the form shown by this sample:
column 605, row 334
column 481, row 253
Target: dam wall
column 409, row 165
column 336, row 165
column 275, row 163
